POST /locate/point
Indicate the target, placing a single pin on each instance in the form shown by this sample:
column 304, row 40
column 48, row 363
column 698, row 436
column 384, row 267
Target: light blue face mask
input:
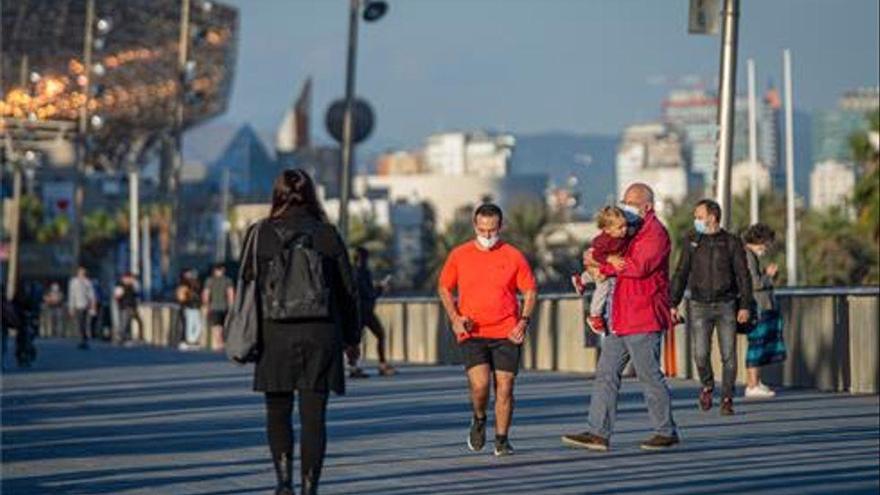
column 700, row 226
column 631, row 213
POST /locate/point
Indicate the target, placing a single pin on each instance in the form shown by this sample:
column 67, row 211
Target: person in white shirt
column 82, row 304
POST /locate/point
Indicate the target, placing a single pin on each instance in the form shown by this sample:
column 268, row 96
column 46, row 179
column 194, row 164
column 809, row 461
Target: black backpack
column 293, row 285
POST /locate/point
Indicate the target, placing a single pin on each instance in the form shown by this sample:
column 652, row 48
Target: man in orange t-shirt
column 488, row 324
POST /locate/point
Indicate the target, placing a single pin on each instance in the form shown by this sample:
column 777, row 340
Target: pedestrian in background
column 82, row 303
column 369, row 292
column 53, row 304
column 217, row 297
column 126, row 295
column 765, row 335
column 713, row 266
column 189, row 297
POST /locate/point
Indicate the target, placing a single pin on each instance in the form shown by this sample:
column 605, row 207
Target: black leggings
column 313, row 422
column 372, row 322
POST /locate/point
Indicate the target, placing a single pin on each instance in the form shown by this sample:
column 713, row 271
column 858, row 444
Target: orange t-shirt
column 487, row 282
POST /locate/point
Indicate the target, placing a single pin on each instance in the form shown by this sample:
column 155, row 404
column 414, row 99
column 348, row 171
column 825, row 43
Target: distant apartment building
column 832, row 128
column 476, row 154
column 412, row 244
column 831, row 184
column 695, row 113
column 860, row 100
column 741, row 178
column 445, row 195
column 400, row 163
column 654, row 153
column 768, row 129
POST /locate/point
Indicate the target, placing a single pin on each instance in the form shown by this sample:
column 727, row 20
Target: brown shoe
column 660, row 442
column 387, row 370
column 727, row 406
column 706, row 399
column 586, row 440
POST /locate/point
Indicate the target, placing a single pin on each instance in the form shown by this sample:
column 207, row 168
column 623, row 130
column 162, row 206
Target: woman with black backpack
column 308, row 308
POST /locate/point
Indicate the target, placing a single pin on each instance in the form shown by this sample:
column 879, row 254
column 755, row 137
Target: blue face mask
column 631, row 213
column 700, row 226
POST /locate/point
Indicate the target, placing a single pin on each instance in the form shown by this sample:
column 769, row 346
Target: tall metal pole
column 15, row 232
column 727, row 94
column 790, row 225
column 133, row 220
column 753, row 147
column 347, row 124
column 82, row 134
column 15, row 213
column 174, row 182
column 224, row 208
column 147, row 271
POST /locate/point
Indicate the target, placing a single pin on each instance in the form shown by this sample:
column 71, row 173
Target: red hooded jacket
column 641, row 295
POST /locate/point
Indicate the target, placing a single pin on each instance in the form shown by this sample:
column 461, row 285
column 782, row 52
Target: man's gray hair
column 643, row 189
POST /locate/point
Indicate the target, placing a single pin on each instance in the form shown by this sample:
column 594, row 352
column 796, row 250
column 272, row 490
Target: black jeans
column 705, row 317
column 313, row 425
column 126, row 317
column 83, row 318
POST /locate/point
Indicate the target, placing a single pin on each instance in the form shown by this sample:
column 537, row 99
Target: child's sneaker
column 578, row 284
column 596, row 324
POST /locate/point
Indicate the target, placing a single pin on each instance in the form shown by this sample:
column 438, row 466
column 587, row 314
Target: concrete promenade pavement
column 156, row 421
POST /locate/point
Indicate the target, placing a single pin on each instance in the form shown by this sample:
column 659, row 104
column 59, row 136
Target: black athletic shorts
column 216, row 318
column 499, row 354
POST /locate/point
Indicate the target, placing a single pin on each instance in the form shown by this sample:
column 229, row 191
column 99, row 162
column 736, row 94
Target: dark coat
column 308, row 355
column 713, row 267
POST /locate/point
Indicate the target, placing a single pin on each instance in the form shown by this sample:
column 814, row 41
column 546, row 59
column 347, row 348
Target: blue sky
column 533, row 65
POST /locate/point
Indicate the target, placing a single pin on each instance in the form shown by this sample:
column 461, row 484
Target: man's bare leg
column 478, row 379
column 503, row 401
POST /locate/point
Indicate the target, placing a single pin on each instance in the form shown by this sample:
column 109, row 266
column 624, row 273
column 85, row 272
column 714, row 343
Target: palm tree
column 866, row 196
column 458, row 231
column 100, row 228
column 830, row 245
column 527, row 225
column 364, row 231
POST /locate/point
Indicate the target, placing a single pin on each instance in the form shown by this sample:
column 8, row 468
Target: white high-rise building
column 831, row 184
column 459, row 153
column 444, row 153
column 653, row 153
column 695, row 113
column 741, row 178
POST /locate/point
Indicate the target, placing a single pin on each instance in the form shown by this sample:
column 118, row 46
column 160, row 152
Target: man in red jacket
column 639, row 315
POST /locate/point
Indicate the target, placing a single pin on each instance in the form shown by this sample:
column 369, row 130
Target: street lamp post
column 754, row 204
column 726, row 107
column 177, row 166
column 15, row 220
column 373, row 10
column 82, row 134
column 347, row 145
column 790, row 219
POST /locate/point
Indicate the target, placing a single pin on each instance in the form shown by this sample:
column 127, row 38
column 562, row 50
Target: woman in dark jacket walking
column 305, row 355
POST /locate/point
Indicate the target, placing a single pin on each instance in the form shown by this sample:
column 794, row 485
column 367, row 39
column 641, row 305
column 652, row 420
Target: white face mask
column 632, row 213
column 487, row 242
